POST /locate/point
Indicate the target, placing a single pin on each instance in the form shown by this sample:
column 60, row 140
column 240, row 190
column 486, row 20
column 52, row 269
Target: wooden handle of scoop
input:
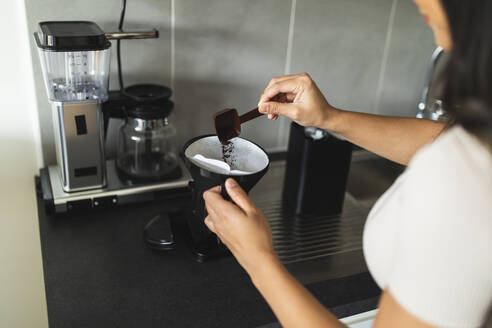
column 254, row 113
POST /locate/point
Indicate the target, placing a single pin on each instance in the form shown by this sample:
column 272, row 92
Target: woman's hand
column 305, row 103
column 242, row 227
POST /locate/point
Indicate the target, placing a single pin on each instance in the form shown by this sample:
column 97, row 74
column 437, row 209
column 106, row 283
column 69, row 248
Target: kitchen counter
column 99, row 273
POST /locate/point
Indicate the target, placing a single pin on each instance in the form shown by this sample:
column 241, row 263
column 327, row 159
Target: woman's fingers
column 210, row 224
column 211, row 211
column 288, row 86
column 284, row 77
column 215, row 189
column 239, row 196
column 218, row 206
column 279, row 97
column 275, row 108
column 209, row 201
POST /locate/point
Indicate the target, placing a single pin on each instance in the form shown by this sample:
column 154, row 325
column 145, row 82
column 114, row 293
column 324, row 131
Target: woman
column 427, row 241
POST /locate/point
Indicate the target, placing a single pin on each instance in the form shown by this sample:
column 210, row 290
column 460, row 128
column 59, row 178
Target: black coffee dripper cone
column 204, row 179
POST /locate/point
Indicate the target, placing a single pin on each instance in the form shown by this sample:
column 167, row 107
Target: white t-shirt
column 428, row 239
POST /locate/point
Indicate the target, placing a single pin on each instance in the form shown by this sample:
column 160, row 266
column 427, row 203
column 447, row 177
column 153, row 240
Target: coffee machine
column 76, row 75
column 75, row 60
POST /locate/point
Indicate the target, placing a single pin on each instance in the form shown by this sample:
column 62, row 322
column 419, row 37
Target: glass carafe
column 147, row 150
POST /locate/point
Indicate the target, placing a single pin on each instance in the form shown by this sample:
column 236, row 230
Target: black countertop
column 99, row 273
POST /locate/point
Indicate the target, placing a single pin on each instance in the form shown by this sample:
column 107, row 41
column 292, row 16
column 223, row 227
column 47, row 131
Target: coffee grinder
column 75, row 60
column 317, row 168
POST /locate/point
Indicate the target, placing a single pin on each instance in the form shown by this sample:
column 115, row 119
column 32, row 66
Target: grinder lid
column 72, row 36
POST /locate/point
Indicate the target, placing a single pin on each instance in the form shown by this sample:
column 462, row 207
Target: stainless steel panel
column 59, row 136
column 80, row 151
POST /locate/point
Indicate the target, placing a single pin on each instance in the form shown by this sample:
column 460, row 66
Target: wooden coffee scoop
column 228, row 122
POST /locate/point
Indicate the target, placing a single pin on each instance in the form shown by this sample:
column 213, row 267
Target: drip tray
column 313, row 248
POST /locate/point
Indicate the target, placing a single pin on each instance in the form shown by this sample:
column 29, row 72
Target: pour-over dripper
column 246, row 156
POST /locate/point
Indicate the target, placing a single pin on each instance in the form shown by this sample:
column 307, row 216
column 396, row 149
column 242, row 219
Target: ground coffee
column 227, row 153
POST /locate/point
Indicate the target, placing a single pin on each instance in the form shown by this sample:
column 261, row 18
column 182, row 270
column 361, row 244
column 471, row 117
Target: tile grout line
column 173, row 27
column 290, row 38
column 287, row 67
column 387, row 43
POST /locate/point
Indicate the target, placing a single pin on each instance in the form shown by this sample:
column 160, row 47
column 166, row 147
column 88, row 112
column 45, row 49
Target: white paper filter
column 246, row 157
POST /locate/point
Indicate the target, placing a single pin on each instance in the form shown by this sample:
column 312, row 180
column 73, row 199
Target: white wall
column 22, row 297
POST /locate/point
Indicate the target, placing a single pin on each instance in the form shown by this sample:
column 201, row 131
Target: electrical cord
column 118, row 43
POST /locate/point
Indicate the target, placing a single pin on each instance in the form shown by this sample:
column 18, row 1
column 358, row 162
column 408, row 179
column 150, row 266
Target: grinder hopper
column 249, row 163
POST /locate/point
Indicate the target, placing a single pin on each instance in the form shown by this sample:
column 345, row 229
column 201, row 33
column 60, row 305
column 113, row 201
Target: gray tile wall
column 340, row 43
column 227, row 50
column 410, row 48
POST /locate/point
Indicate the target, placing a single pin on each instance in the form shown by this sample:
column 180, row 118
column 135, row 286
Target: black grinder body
column 316, row 173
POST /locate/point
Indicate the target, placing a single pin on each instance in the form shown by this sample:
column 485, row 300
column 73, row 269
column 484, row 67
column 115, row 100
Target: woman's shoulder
column 448, row 190
column 442, row 262
column 456, row 165
column 458, row 147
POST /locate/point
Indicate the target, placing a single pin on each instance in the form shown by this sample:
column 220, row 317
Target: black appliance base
column 133, row 180
column 117, row 192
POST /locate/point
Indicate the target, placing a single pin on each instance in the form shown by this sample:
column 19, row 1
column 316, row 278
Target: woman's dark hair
column 468, row 74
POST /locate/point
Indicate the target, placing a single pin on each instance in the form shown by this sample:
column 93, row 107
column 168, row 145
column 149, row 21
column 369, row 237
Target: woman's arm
column 245, row 231
column 392, row 314
column 292, row 304
column 395, row 138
